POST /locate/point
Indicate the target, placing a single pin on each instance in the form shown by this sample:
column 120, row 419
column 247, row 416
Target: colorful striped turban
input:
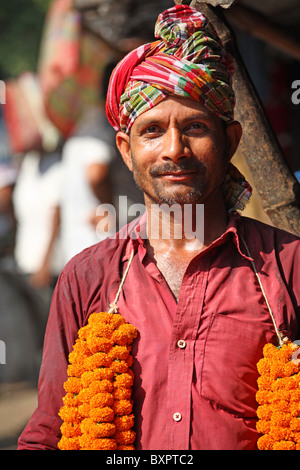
column 188, row 61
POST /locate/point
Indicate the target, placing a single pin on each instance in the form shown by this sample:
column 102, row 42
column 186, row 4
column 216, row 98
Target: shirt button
column 177, row 416
column 181, row 344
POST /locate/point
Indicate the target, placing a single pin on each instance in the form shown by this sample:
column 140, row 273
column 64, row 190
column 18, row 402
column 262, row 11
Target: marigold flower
column 290, row 368
column 83, row 332
column 295, row 396
column 73, row 385
column 269, row 350
column 69, row 414
column 122, row 393
column 295, row 424
column 71, row 399
column 284, row 445
column 118, row 352
column 280, row 433
column 282, row 394
column 101, row 399
column 104, row 444
column 119, row 366
column 263, row 426
column 113, row 319
column 123, row 381
column 264, row 412
column 281, row 405
column 84, row 409
column 102, row 373
column 296, row 437
column 85, row 395
column 124, row 335
column 122, row 407
column 69, row 443
column 124, row 423
column 295, row 409
column 288, row 383
column 102, row 329
column 97, row 360
column 264, row 366
column 85, row 442
column 280, row 418
column 80, row 349
column 263, row 397
column 99, row 344
column 98, row 386
column 97, row 430
column 264, row 383
column 75, row 370
column 70, row 429
column 125, row 437
column 265, row 442
column 103, row 414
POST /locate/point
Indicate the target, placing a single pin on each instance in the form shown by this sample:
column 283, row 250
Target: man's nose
column 175, row 145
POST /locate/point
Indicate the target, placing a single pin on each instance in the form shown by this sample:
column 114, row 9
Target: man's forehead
column 180, row 108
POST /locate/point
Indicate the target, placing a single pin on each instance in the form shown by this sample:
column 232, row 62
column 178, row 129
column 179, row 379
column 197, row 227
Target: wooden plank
column 275, row 183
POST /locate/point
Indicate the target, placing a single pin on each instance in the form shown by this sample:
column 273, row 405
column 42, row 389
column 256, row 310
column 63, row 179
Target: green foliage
column 21, row 27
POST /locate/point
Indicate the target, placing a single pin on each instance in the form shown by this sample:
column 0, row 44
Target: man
column 201, row 316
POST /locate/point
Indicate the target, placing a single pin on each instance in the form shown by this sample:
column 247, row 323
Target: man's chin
column 193, row 197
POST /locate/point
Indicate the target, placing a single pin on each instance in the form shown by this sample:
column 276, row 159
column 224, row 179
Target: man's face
column 178, row 152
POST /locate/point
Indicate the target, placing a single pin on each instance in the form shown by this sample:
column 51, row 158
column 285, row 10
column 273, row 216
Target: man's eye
column 197, row 126
column 152, row 130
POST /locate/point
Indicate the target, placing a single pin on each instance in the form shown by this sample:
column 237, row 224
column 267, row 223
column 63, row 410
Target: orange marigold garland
column 278, row 394
column 278, row 397
column 97, row 410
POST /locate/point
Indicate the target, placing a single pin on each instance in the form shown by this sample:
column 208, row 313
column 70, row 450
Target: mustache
column 177, row 168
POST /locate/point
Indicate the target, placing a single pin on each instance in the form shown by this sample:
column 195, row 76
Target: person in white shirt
column 36, row 201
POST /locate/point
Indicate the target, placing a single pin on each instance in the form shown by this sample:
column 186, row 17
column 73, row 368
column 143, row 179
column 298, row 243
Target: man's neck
column 186, row 229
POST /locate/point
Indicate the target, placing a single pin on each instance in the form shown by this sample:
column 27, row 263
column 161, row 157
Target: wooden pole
column 275, row 183
column 260, row 27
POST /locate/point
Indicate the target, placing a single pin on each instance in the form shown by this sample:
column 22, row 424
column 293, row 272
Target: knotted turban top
column 188, row 60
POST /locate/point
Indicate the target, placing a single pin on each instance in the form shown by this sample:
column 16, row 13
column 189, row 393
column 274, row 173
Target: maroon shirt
column 195, row 360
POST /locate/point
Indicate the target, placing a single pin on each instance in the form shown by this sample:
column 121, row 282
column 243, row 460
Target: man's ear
column 234, row 134
column 123, row 144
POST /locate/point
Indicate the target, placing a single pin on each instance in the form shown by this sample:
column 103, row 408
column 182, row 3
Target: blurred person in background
column 85, row 182
column 36, row 204
column 8, row 176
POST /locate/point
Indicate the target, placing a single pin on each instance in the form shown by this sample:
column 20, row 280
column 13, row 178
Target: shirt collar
column 234, row 228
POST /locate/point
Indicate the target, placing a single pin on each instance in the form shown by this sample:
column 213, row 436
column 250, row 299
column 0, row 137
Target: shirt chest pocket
column 229, row 374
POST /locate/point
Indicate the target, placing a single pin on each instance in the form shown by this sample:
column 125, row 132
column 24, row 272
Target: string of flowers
column 278, row 394
column 278, row 397
column 97, row 408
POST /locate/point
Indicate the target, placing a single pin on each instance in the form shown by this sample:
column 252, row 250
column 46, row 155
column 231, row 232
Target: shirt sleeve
column 43, row 430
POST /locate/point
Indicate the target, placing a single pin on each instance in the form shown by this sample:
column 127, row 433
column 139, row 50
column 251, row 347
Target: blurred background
column 58, row 159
